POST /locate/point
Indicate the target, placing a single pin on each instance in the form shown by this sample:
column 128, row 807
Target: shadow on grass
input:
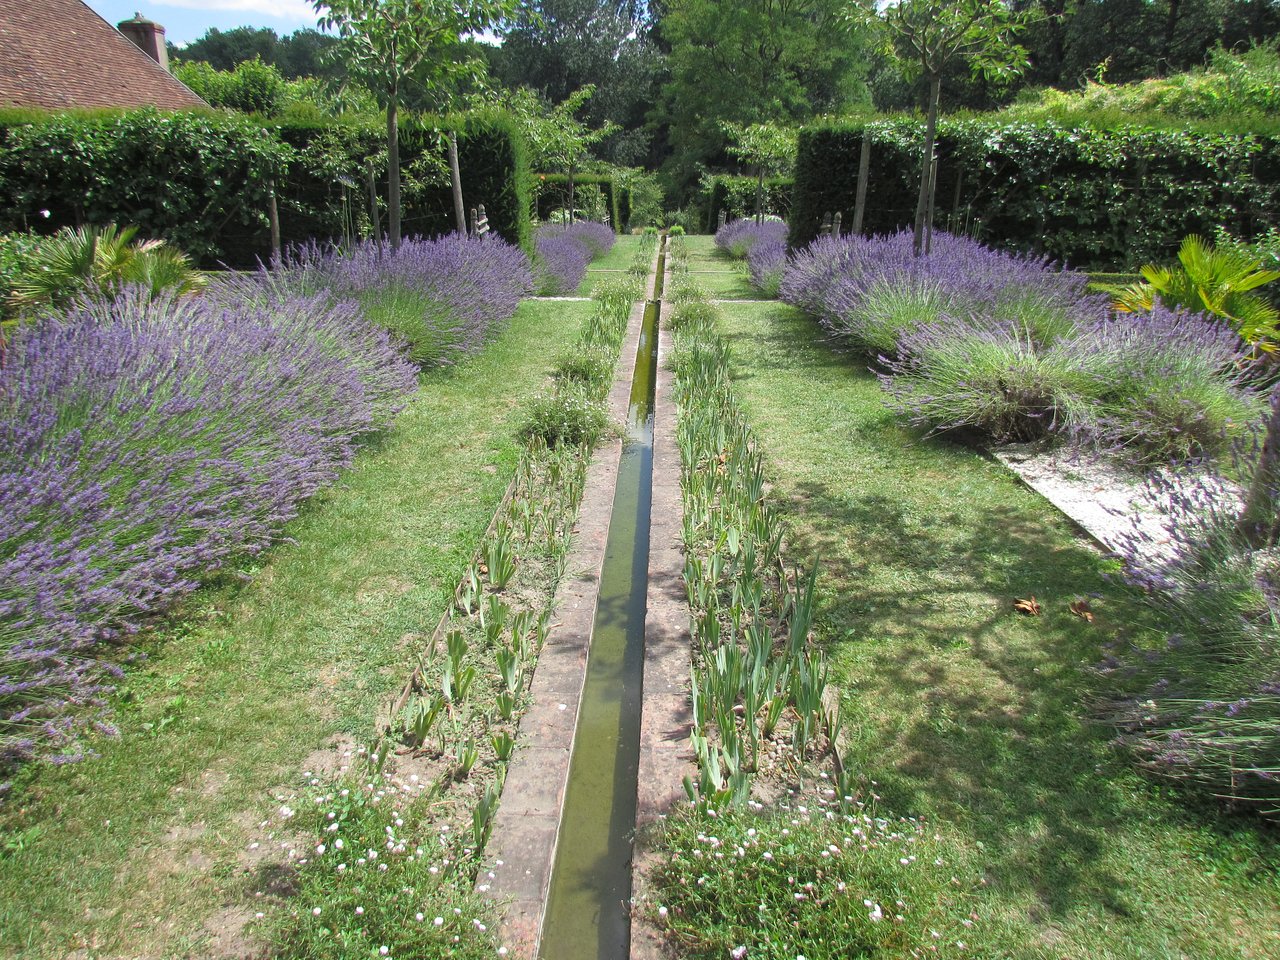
column 963, row 710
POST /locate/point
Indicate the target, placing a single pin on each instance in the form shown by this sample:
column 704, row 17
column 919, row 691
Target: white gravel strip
column 1109, row 501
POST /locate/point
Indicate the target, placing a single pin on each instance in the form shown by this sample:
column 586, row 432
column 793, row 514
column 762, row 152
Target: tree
column 557, row 139
column 753, row 61
column 558, row 46
column 387, row 44
column 930, row 35
column 766, row 147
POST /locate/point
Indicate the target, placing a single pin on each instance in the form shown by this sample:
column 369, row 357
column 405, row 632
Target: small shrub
column 869, row 291
column 100, row 262
column 563, row 252
column 676, row 231
column 568, row 415
column 144, row 441
column 447, row 296
column 1170, row 386
column 766, row 264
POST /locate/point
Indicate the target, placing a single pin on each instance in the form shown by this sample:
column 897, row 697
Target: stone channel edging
column 522, row 846
column 666, row 756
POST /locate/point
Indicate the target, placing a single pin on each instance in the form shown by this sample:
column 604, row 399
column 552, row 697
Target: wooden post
column 864, row 172
column 455, row 178
column 273, row 217
column 373, row 207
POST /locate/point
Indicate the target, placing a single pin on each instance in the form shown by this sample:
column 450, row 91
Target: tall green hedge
column 1097, row 199
column 552, row 193
column 736, row 196
column 191, row 178
column 200, row 179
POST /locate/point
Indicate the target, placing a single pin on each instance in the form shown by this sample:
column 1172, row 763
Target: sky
column 187, row 20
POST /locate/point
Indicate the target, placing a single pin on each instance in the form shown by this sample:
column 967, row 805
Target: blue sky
column 186, row 20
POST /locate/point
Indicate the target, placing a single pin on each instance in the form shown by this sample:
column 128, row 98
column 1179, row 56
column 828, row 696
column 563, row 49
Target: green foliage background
column 1094, row 198
column 200, row 180
column 736, row 195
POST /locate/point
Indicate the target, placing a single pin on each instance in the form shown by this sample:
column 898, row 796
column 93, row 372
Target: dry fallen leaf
column 1028, row 606
column 1082, row 610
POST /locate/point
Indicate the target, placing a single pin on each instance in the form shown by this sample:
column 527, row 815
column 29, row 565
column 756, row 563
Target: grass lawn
column 972, row 715
column 141, row 851
column 718, row 273
column 612, row 264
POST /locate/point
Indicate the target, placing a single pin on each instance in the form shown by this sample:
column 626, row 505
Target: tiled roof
column 59, row 53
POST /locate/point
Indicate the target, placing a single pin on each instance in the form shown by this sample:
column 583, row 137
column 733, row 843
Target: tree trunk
column 374, row 220
column 393, row 171
column 1170, row 30
column 760, row 195
column 1259, row 523
column 926, row 165
column 864, row 174
column 273, row 220
column 455, row 179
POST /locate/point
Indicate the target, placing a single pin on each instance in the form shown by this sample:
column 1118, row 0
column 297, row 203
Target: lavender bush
column 1163, row 386
column 766, row 263
column 1208, row 710
column 987, row 375
column 1017, row 349
column 870, row 291
column 446, row 296
column 145, row 441
column 1170, row 386
column 739, row 237
column 563, row 252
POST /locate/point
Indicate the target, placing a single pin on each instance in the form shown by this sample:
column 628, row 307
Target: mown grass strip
column 145, row 849
column 960, row 709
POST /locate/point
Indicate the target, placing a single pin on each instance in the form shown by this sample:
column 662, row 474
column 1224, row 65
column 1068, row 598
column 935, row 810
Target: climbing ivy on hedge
column 553, row 194
column 200, row 179
column 736, row 196
column 1093, row 198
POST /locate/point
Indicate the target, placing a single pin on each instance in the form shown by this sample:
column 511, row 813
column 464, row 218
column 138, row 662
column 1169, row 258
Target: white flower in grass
column 738, row 953
column 438, row 921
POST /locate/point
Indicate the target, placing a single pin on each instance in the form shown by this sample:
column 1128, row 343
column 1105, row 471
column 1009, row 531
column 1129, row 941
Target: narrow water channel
column 587, row 908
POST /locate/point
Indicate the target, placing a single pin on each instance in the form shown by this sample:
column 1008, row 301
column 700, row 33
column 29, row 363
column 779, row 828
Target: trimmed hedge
column 1097, row 199
column 199, row 179
column 737, row 197
column 553, row 193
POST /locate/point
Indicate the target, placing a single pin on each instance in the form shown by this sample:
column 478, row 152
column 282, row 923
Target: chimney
column 148, row 36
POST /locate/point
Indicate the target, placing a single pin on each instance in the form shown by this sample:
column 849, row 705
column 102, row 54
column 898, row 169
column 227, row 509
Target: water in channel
column 586, row 916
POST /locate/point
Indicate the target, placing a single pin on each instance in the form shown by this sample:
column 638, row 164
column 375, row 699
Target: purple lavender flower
column 143, row 442
column 447, row 296
column 563, row 252
column 739, row 237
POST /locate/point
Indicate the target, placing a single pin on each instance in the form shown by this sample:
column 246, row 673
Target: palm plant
column 100, row 260
column 1214, row 280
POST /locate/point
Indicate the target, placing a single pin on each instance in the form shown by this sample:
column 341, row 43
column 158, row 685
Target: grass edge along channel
column 779, row 851
column 399, row 841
